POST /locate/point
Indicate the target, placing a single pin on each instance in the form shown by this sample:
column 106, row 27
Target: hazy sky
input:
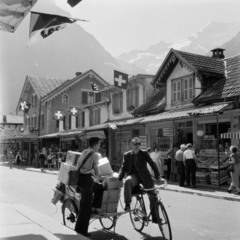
column 123, row 25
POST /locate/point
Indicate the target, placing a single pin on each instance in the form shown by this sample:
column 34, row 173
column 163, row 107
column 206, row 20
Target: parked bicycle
column 140, row 217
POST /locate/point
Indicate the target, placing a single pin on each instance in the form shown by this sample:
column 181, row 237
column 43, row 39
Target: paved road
column 192, row 217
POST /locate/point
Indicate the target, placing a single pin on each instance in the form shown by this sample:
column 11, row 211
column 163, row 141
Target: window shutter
column 57, row 123
column 64, row 122
column 36, row 100
column 99, row 115
column 84, row 97
column 90, row 118
column 70, row 121
column 76, row 121
column 36, row 121
column 42, row 121
column 98, row 97
column 113, row 103
column 137, row 97
column 121, row 101
column 128, row 99
column 83, row 119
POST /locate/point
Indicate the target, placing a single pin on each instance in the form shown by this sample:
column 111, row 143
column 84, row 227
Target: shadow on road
column 25, row 237
column 149, row 237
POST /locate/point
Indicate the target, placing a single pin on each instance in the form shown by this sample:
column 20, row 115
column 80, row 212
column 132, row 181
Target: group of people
column 12, row 158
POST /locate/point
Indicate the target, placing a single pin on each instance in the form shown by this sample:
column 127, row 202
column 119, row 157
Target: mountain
column 61, row 55
column 213, row 35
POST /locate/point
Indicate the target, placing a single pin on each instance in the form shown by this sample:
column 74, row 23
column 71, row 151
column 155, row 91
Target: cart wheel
column 137, row 213
column 70, row 213
column 107, row 222
column 163, row 222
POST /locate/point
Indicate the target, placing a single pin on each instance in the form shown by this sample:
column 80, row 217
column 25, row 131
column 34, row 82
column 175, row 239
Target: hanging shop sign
column 143, row 140
column 167, row 132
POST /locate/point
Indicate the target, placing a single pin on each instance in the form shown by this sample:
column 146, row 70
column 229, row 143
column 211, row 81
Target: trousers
column 132, row 181
column 86, row 186
column 181, row 173
column 191, row 170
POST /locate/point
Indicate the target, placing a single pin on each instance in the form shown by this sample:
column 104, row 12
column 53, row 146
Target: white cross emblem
column 24, row 105
column 58, row 114
column 120, row 81
column 74, row 111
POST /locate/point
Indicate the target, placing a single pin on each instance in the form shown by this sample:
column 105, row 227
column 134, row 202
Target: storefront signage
column 167, row 132
column 143, row 140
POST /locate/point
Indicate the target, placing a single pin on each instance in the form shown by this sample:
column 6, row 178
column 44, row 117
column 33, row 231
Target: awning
column 232, row 135
column 185, row 113
column 51, row 135
column 12, row 12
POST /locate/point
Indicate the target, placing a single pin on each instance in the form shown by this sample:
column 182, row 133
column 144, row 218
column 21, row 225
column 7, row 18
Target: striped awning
column 232, row 135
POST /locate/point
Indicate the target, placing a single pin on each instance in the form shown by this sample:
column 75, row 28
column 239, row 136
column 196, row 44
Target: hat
column 189, row 145
column 136, row 140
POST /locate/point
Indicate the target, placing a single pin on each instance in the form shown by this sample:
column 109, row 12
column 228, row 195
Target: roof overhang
column 12, row 12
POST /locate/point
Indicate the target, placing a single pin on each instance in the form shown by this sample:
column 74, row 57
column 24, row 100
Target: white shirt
column 188, row 154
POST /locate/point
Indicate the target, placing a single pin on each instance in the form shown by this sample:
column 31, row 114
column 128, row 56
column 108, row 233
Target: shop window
column 181, row 124
column 132, row 98
column 189, row 124
column 117, row 104
column 136, row 132
column 65, row 98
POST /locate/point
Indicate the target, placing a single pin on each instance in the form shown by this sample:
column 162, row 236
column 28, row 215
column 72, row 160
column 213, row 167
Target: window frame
column 97, row 97
column 132, row 98
column 117, row 103
column 63, row 96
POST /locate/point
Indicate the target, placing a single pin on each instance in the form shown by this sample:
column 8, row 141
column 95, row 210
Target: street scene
column 119, row 119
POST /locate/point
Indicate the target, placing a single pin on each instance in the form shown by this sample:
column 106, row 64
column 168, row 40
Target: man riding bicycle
column 135, row 166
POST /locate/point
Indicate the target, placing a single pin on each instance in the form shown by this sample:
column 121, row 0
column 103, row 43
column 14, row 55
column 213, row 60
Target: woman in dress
column 156, row 157
column 235, row 161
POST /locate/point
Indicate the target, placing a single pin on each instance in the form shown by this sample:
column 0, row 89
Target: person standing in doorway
column 180, row 165
column 235, row 161
column 189, row 160
column 18, row 159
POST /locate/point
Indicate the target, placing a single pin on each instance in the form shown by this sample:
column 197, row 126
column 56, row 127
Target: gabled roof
column 70, row 83
column 44, row 85
column 153, row 105
column 193, row 62
column 227, row 88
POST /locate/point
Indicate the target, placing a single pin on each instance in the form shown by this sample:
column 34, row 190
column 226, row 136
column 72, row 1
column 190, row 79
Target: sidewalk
column 23, row 223
column 202, row 190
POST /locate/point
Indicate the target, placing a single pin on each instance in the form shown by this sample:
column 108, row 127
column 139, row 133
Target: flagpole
column 39, row 124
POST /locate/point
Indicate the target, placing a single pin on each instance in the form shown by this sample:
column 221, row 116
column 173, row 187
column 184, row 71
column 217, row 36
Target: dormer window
column 182, row 89
column 65, row 98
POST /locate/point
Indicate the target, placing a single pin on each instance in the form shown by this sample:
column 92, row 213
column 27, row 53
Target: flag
column 58, row 115
column 94, row 87
column 24, row 106
column 120, row 79
column 42, row 25
column 73, row 111
column 73, row 3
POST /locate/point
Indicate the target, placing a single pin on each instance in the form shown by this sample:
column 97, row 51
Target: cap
column 136, row 140
column 189, row 145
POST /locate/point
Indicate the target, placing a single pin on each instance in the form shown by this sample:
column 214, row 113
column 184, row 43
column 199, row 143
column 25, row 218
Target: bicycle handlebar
column 164, row 185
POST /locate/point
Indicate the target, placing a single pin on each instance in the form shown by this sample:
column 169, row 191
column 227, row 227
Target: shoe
column 181, row 185
column 229, row 191
column 187, row 186
column 127, row 207
column 194, row 186
column 237, row 193
column 86, row 234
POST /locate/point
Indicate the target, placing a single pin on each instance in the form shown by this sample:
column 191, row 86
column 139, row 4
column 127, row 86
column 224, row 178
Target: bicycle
column 139, row 216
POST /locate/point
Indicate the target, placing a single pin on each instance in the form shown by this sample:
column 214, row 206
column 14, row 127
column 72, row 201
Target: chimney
column 78, row 73
column 218, row 53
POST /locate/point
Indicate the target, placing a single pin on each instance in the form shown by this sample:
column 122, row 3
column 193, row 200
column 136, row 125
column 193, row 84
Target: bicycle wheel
column 107, row 222
column 137, row 213
column 163, row 222
column 70, row 212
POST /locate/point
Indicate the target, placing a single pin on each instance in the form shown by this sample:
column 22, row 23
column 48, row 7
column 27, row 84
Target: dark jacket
column 141, row 166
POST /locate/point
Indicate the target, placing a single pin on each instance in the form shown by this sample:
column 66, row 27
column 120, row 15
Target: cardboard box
column 63, row 172
column 111, row 182
column 104, row 167
column 72, row 157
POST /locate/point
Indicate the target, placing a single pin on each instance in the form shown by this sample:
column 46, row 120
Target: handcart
column 107, row 215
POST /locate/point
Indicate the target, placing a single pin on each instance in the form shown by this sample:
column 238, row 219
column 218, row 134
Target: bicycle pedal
column 136, row 219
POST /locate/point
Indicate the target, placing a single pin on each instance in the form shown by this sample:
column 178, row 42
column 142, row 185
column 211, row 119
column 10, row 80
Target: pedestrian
column 50, row 160
column 235, row 161
column 88, row 166
column 135, row 166
column 18, row 159
column 171, row 152
column 156, row 157
column 189, row 160
column 180, row 165
column 42, row 159
column 10, row 159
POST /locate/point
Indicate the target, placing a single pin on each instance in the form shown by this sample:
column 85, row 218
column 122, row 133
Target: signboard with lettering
column 167, row 132
column 143, row 140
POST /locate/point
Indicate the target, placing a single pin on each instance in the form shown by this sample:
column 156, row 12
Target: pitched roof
column 193, row 62
column 226, row 88
column 44, row 85
column 153, row 104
